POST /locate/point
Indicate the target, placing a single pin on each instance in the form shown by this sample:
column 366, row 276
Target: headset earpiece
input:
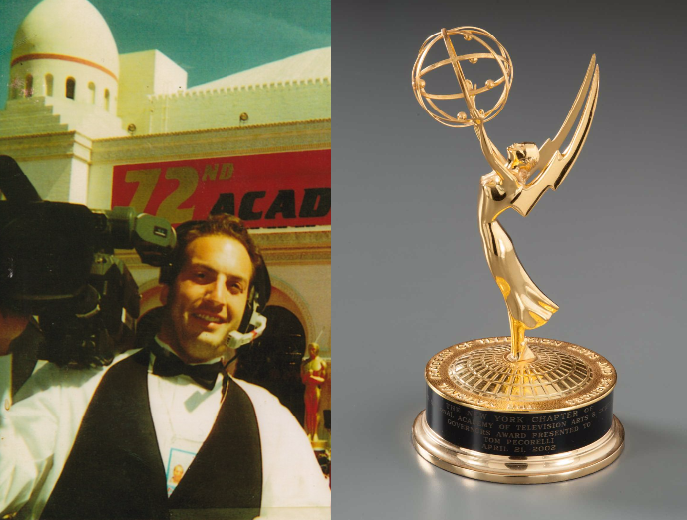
column 166, row 274
column 257, row 297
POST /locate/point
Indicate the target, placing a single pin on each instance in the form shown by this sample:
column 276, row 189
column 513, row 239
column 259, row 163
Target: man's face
column 207, row 299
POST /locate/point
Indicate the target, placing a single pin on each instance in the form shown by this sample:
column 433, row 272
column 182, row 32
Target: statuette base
column 537, row 469
column 523, row 422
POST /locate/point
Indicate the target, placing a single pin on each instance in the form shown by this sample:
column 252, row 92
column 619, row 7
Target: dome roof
column 67, row 29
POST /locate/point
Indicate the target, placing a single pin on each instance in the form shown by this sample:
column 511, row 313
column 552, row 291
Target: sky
column 209, row 38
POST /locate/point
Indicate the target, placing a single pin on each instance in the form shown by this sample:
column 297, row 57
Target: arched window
column 91, row 92
column 28, row 87
column 48, row 84
column 70, row 88
column 107, row 99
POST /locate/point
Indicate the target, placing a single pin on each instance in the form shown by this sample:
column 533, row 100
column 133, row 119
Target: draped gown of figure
column 525, row 301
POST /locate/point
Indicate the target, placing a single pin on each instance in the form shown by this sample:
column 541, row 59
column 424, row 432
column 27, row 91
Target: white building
column 91, row 126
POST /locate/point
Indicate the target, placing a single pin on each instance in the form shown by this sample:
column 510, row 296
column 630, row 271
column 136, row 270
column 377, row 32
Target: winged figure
column 507, row 186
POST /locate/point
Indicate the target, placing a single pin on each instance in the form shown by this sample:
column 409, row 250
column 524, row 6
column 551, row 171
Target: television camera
column 57, row 264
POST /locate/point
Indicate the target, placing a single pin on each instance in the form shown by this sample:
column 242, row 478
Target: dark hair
column 216, row 225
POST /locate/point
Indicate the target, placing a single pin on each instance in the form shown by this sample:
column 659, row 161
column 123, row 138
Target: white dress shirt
column 183, row 412
column 37, row 434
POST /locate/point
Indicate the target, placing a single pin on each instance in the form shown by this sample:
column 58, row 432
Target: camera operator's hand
column 12, row 325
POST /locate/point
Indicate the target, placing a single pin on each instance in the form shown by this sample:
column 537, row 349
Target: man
column 103, row 443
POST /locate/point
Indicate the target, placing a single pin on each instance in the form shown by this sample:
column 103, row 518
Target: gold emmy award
column 519, row 410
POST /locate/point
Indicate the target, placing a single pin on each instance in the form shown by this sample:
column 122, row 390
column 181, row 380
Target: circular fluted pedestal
column 537, row 469
column 544, row 420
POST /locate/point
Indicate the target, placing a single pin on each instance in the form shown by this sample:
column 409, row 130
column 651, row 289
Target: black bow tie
column 167, row 364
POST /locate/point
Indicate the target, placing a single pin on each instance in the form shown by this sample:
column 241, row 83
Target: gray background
column 609, row 247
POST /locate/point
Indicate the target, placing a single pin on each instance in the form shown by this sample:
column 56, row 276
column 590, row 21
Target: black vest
column 115, row 470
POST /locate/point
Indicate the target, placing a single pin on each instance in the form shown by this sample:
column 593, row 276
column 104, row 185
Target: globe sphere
column 493, row 50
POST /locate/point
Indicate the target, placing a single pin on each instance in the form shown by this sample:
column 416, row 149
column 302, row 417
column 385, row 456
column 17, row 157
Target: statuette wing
column 553, row 163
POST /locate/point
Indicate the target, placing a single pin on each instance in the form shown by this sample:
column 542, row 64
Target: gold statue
column 514, row 409
column 313, row 375
column 506, row 186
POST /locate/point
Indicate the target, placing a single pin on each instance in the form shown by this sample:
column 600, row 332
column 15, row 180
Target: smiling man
column 104, row 443
column 207, row 299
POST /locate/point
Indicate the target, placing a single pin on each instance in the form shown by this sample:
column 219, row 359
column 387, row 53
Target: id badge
column 181, row 455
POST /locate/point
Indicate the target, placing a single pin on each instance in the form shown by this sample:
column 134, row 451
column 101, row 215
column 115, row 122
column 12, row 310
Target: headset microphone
column 237, row 339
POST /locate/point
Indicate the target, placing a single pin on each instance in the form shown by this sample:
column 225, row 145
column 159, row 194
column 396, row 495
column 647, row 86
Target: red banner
column 269, row 190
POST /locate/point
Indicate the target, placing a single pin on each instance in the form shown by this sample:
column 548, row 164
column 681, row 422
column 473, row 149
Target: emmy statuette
column 518, row 410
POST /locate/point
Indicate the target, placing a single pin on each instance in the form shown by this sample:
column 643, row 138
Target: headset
column 253, row 323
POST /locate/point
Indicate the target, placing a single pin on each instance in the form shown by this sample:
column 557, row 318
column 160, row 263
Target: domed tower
column 65, row 53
